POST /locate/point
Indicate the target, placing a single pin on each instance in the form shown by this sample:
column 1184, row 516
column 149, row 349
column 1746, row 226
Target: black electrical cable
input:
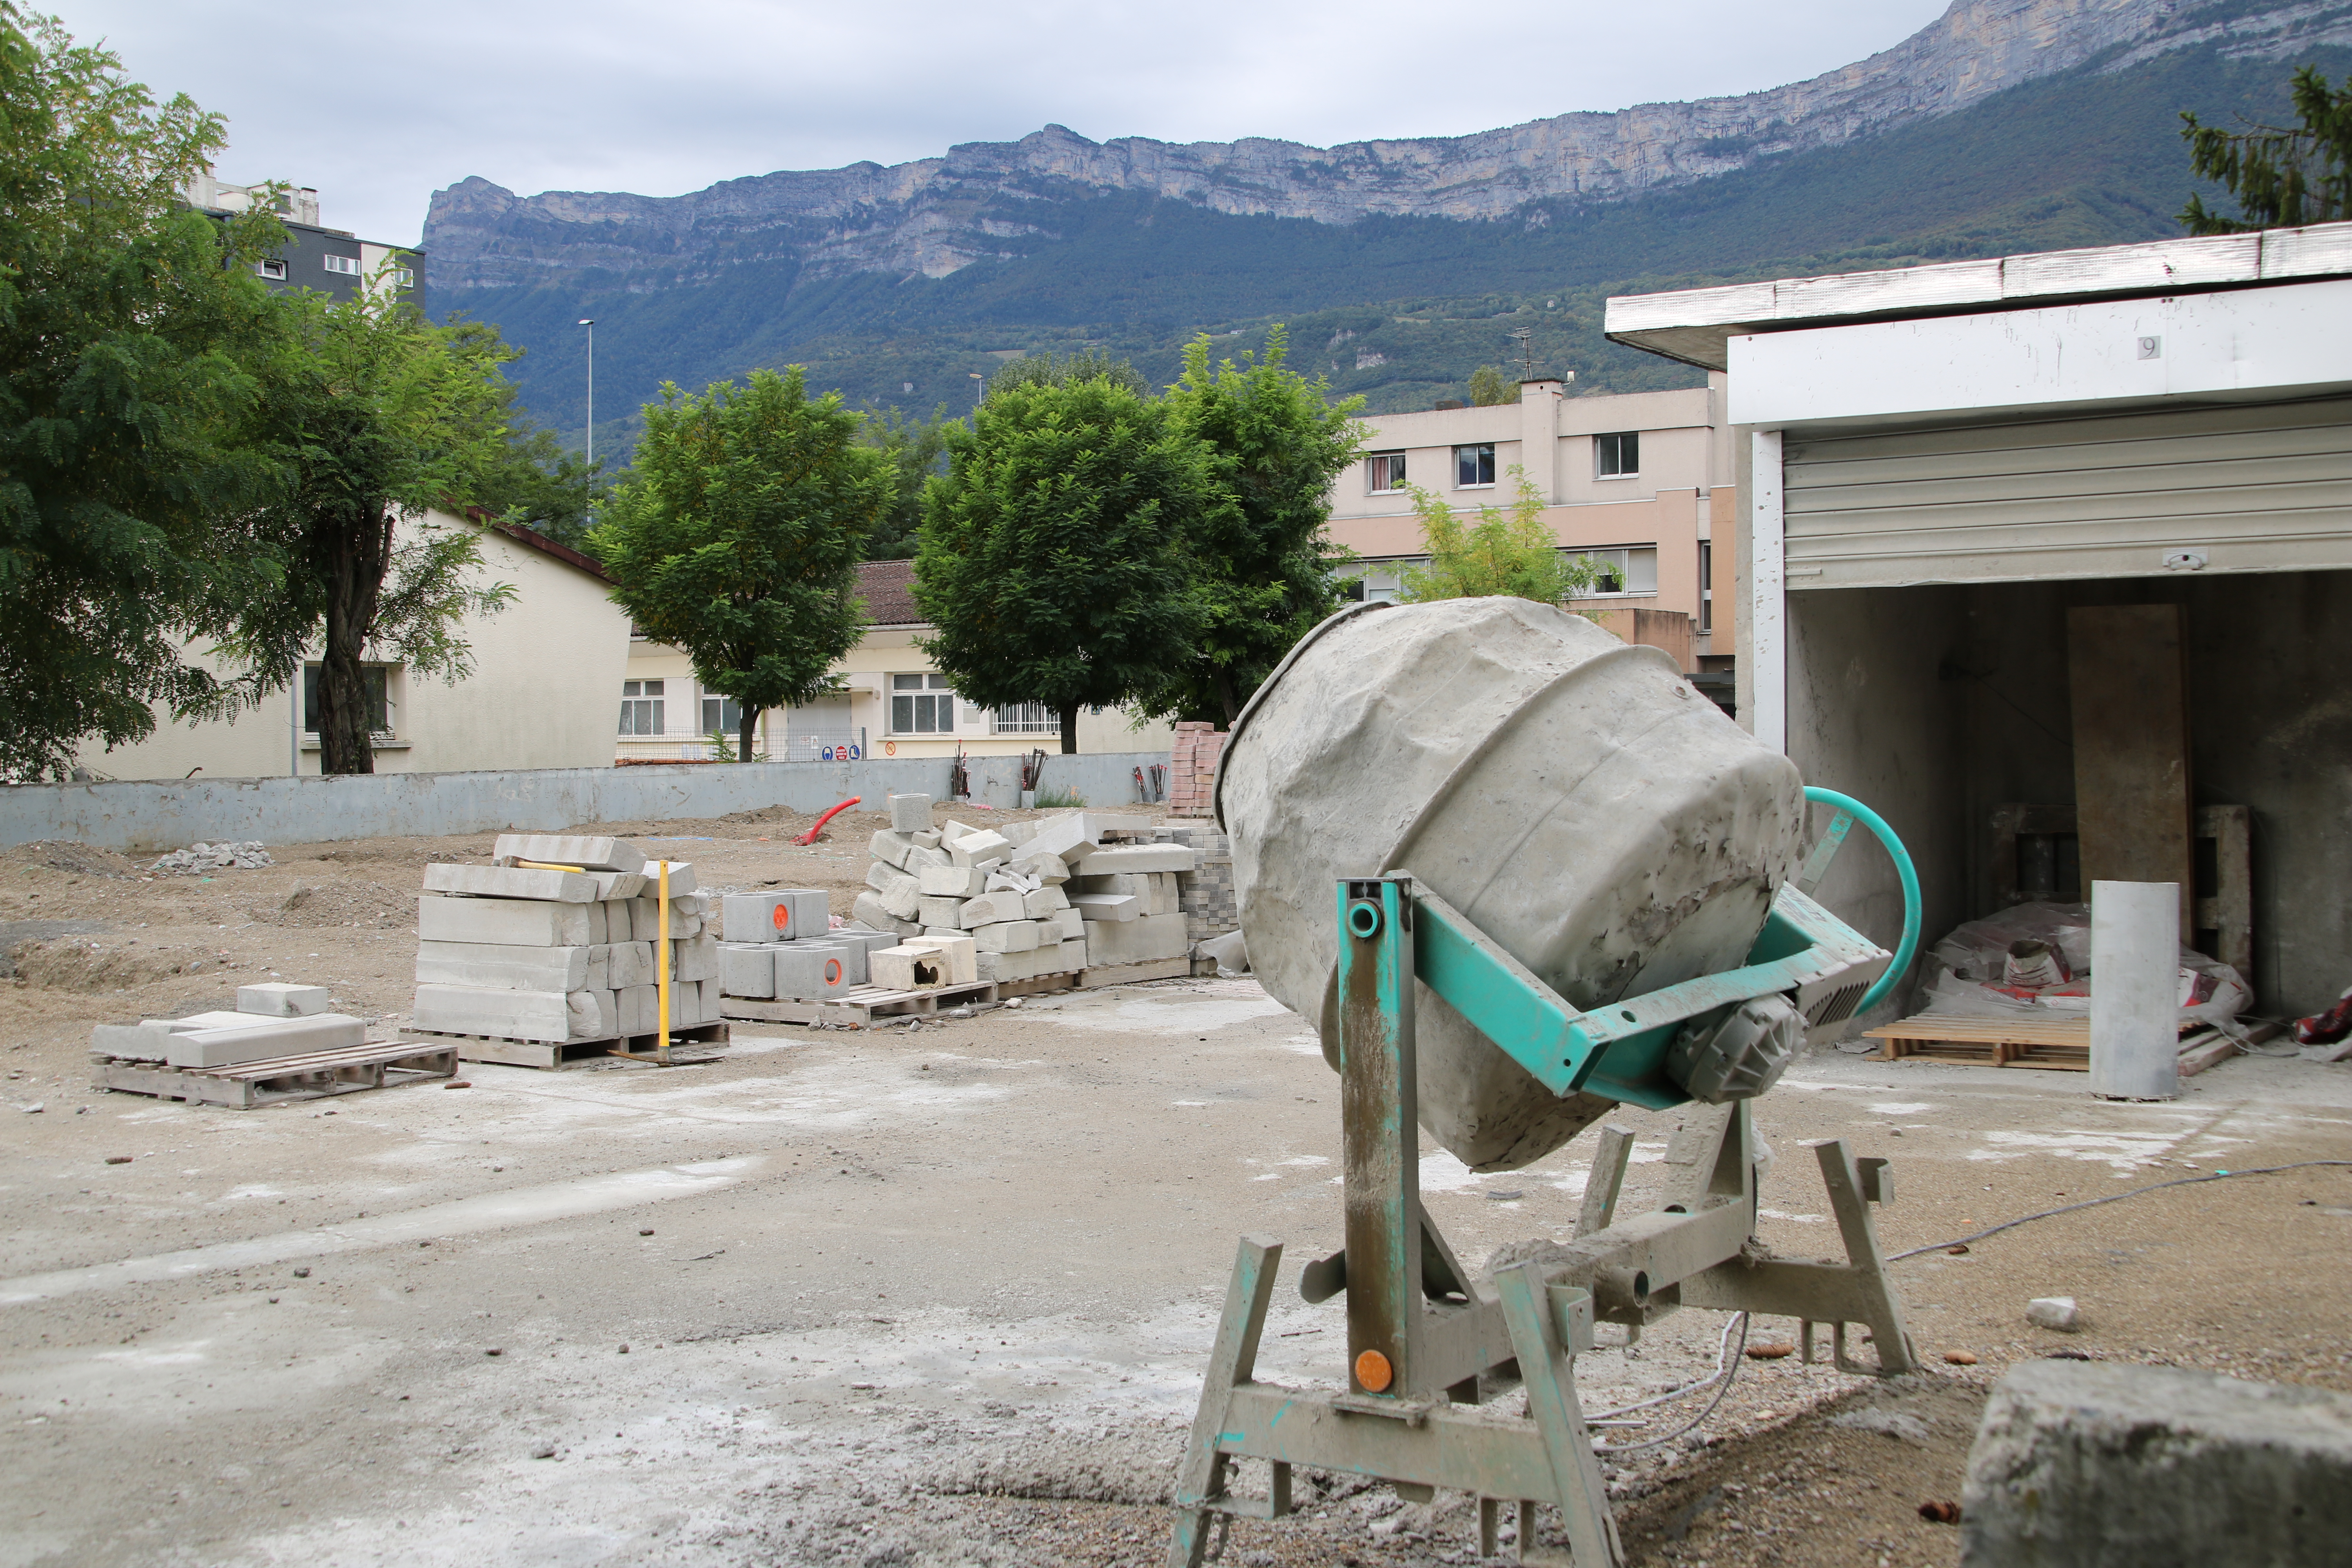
column 2111, row 1198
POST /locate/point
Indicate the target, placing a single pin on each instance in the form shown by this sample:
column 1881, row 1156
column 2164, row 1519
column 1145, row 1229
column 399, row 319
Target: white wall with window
column 1473, row 466
column 667, row 715
column 1384, row 473
column 922, row 704
column 1617, row 455
column 539, row 694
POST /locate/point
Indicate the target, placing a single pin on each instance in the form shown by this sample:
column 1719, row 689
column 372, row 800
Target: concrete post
column 2135, row 982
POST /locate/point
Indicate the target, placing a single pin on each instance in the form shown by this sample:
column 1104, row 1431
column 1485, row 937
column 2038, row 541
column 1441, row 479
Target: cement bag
column 1572, row 794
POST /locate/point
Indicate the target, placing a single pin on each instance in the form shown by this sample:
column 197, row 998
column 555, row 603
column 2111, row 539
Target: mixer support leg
column 1232, row 1360
column 1550, row 1373
column 1882, row 1309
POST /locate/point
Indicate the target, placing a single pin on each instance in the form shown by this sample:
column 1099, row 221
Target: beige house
column 893, row 701
column 1640, row 482
column 540, row 696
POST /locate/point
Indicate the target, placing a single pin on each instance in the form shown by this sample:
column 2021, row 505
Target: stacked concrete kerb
column 559, row 941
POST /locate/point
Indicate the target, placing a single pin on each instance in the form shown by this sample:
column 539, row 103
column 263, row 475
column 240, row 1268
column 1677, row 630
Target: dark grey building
column 334, row 261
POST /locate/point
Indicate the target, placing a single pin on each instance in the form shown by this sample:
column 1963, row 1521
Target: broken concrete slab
column 509, row 882
column 681, row 877
column 989, row 909
column 868, row 908
column 1107, row 906
column 628, row 963
column 910, row 813
column 979, row 849
column 261, row 1039
column 1142, row 858
column 1048, row 869
column 511, row 922
column 941, row 912
column 2106, row 1464
column 569, row 849
column 1063, row 925
column 890, row 848
column 952, row 881
column 611, row 885
column 1006, row 936
column 1044, row 901
column 278, row 999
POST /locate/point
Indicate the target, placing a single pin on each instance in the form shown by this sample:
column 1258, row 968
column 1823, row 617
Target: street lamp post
column 979, row 391
column 590, row 322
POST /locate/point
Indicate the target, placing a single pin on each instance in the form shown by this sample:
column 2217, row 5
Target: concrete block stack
column 782, row 947
column 1128, row 895
column 1005, row 892
column 1209, row 900
column 563, row 948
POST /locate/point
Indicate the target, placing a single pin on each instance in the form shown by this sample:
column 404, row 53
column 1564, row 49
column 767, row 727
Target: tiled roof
column 886, row 586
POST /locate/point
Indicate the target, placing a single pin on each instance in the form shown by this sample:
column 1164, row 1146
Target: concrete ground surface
column 942, row 1295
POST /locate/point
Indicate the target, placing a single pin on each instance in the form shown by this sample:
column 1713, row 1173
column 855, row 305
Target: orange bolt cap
column 1372, row 1370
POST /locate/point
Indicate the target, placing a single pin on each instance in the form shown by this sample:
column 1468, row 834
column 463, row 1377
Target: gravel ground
column 942, row 1295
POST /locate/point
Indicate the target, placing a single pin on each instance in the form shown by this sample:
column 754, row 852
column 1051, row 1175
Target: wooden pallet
column 687, row 1043
column 1038, row 985
column 317, row 1076
column 2060, row 1044
column 1129, row 973
column 861, row 1006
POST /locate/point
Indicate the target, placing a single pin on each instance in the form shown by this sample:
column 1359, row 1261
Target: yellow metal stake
column 661, row 1051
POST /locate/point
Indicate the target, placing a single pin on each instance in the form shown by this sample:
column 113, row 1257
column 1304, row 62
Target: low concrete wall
column 168, row 814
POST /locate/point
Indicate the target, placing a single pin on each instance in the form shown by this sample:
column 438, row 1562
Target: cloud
column 379, row 109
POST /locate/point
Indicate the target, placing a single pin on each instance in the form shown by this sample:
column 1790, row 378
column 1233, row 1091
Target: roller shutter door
column 2253, row 487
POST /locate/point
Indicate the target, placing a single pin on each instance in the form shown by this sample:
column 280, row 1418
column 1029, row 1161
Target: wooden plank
column 2128, row 683
column 1129, row 973
column 2010, row 1031
column 381, row 1066
column 539, row 1054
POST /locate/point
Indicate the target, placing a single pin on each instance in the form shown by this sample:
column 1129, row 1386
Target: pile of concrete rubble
column 198, row 858
column 1070, row 892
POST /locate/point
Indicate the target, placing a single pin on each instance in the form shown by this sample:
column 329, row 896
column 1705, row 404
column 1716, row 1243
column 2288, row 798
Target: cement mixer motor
column 1563, row 882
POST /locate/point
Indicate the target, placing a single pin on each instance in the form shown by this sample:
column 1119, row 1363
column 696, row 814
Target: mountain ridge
column 935, row 217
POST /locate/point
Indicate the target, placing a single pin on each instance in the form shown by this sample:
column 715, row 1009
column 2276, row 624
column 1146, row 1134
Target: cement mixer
column 1520, row 872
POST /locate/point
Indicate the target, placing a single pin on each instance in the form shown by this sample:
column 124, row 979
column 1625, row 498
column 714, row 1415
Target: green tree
column 1054, row 558
column 1050, row 369
column 1492, row 386
column 917, row 449
column 1503, row 553
column 2284, row 176
column 130, row 327
column 737, row 534
column 1261, row 559
column 377, row 418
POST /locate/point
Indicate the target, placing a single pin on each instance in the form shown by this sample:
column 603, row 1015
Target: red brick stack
column 1193, row 768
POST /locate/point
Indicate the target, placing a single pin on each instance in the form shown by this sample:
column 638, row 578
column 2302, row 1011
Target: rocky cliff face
column 981, row 200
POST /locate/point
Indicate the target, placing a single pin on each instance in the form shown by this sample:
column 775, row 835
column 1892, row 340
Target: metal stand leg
column 1232, row 1360
column 1550, row 1375
column 1882, row 1309
column 1607, row 1180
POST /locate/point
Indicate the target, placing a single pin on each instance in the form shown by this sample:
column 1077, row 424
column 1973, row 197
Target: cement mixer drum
column 1573, row 795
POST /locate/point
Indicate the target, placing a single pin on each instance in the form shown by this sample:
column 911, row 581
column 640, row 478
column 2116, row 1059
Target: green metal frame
column 1441, row 1336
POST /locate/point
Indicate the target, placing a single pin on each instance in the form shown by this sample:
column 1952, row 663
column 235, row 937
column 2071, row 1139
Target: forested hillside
column 1402, row 309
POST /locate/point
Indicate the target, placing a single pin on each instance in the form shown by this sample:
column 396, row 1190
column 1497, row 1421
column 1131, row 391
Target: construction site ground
column 942, row 1294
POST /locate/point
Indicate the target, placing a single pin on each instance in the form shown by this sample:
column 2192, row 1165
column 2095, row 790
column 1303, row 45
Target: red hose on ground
column 810, row 837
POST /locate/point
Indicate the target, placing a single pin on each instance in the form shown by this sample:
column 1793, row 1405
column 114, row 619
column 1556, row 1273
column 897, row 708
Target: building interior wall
column 1937, row 704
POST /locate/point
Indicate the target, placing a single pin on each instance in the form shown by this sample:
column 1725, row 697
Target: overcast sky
column 378, row 107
